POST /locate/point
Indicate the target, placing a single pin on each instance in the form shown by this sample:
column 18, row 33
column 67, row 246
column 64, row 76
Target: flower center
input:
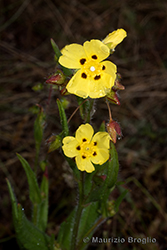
column 92, row 68
column 87, row 148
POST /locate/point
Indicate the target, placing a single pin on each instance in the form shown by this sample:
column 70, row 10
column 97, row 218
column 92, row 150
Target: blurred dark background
column 27, row 58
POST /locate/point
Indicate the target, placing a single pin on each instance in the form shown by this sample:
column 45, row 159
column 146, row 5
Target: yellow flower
column 87, row 148
column 114, row 38
column 94, row 77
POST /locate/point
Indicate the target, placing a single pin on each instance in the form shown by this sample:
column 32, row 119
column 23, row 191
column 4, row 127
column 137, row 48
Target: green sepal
column 55, row 142
column 58, row 53
column 63, row 118
column 34, row 191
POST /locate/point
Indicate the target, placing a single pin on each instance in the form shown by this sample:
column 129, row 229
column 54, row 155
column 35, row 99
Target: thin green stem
column 78, row 213
column 90, row 110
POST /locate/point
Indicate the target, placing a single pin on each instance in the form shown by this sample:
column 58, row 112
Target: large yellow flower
column 94, row 77
column 114, row 38
column 87, row 148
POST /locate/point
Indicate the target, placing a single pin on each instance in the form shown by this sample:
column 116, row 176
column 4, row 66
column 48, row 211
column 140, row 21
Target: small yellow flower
column 94, row 77
column 87, row 148
column 114, row 38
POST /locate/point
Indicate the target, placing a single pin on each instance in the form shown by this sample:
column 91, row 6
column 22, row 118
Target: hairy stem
column 78, row 213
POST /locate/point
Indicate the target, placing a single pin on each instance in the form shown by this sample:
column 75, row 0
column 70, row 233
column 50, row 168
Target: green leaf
column 58, row 53
column 88, row 183
column 30, row 237
column 90, row 220
column 87, row 226
column 14, row 203
column 119, row 200
column 113, row 167
column 65, row 231
column 43, row 212
column 63, row 118
column 56, row 49
column 34, row 191
column 102, row 127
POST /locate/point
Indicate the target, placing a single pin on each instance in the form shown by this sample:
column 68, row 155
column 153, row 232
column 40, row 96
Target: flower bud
column 57, row 78
column 114, row 38
column 54, row 142
column 114, row 129
column 112, row 96
column 117, row 84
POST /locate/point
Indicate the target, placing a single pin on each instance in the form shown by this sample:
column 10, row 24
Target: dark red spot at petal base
column 82, row 61
column 83, row 75
column 97, row 77
column 94, row 57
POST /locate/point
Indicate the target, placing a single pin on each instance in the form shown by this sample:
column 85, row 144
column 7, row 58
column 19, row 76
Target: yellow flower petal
column 114, row 38
column 95, row 48
column 88, row 86
column 94, row 78
column 84, row 164
column 78, row 85
column 110, row 68
column 101, row 156
column 69, row 147
column 85, row 131
column 102, row 139
column 102, row 86
column 72, row 54
column 87, row 148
